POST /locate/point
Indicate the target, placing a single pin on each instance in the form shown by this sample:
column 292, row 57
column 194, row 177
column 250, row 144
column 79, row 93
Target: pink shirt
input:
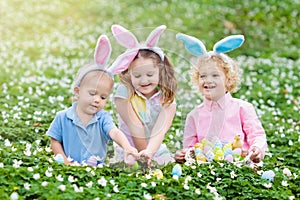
column 230, row 117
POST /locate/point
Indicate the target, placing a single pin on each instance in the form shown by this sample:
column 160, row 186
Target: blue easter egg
column 59, row 159
column 177, row 170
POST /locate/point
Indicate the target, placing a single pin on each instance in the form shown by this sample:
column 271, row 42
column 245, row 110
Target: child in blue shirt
column 82, row 131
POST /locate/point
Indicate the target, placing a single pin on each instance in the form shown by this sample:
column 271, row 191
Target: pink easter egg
column 237, row 151
column 130, row 160
column 229, row 158
column 92, row 161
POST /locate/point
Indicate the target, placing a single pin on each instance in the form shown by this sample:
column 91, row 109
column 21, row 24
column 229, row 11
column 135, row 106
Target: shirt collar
column 71, row 114
column 152, row 97
column 220, row 103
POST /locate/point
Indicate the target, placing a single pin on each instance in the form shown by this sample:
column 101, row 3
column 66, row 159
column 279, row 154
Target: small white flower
column 199, row 174
column 268, row 185
column 186, row 187
column 197, row 191
column 14, row 196
column 153, row 184
column 287, row 172
column 48, row 173
column 112, row 182
column 48, row 149
column 116, row 190
column 147, row 196
column 17, row 163
column 7, row 143
column 36, row 176
column 27, row 186
column 71, row 179
column 62, row 187
column 233, row 175
column 88, row 169
column 59, row 178
column 1, row 165
column 147, row 176
column 284, row 183
column 30, row 169
column 218, row 179
column 76, row 189
column 291, row 197
column 212, row 172
column 144, row 184
column 89, row 184
column 102, row 182
column 44, row 183
column 175, row 177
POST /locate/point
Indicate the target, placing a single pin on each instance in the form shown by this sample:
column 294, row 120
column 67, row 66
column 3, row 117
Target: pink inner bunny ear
column 154, row 36
column 124, row 37
column 122, row 62
column 102, row 51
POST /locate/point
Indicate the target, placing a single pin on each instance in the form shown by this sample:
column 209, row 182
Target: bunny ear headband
column 101, row 57
column 197, row 48
column 125, row 38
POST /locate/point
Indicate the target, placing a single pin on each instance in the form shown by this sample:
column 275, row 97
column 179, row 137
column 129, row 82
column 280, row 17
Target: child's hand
column 131, row 155
column 147, row 155
column 180, row 156
column 256, row 154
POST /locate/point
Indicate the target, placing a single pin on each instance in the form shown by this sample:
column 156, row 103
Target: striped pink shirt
column 225, row 118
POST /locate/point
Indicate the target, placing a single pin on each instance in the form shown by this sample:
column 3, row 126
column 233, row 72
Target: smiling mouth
column 209, row 87
column 145, row 85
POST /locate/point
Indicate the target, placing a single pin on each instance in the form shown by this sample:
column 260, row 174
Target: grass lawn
column 43, row 43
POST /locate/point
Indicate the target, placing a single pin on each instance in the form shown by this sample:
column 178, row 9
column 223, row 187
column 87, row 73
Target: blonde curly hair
column 229, row 66
column 167, row 80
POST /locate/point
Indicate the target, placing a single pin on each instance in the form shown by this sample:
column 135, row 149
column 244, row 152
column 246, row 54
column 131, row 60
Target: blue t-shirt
column 79, row 142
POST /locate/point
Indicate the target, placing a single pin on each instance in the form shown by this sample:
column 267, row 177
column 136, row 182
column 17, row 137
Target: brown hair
column 229, row 66
column 167, row 80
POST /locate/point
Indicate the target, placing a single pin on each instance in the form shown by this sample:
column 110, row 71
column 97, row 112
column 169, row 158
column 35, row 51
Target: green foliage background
column 43, row 43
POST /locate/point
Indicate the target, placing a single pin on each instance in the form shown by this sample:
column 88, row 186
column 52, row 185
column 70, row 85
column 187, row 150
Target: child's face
column 144, row 76
column 93, row 92
column 212, row 81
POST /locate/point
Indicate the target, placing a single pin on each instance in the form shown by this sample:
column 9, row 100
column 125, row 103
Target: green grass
column 42, row 45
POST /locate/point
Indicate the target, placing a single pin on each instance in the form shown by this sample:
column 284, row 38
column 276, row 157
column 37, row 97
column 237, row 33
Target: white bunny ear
column 229, row 43
column 192, row 44
column 153, row 37
column 124, row 37
column 102, row 51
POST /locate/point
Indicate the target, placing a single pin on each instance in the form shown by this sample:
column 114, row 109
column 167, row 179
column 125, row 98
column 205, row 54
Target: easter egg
column 158, row 173
column 210, row 156
column 219, row 155
column 92, row 161
column 227, row 146
column 228, row 151
column 268, row 175
column 237, row 151
column 130, row 160
column 198, row 151
column 201, row 157
column 177, row 170
column 218, row 144
column 217, row 149
column 59, row 158
column 197, row 145
column 204, row 140
column 228, row 158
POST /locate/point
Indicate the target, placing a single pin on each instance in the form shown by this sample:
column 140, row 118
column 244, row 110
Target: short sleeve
column 108, row 124
column 55, row 129
column 121, row 92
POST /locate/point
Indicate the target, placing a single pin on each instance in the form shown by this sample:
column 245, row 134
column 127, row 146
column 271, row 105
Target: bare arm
column 58, row 149
column 134, row 124
column 119, row 137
